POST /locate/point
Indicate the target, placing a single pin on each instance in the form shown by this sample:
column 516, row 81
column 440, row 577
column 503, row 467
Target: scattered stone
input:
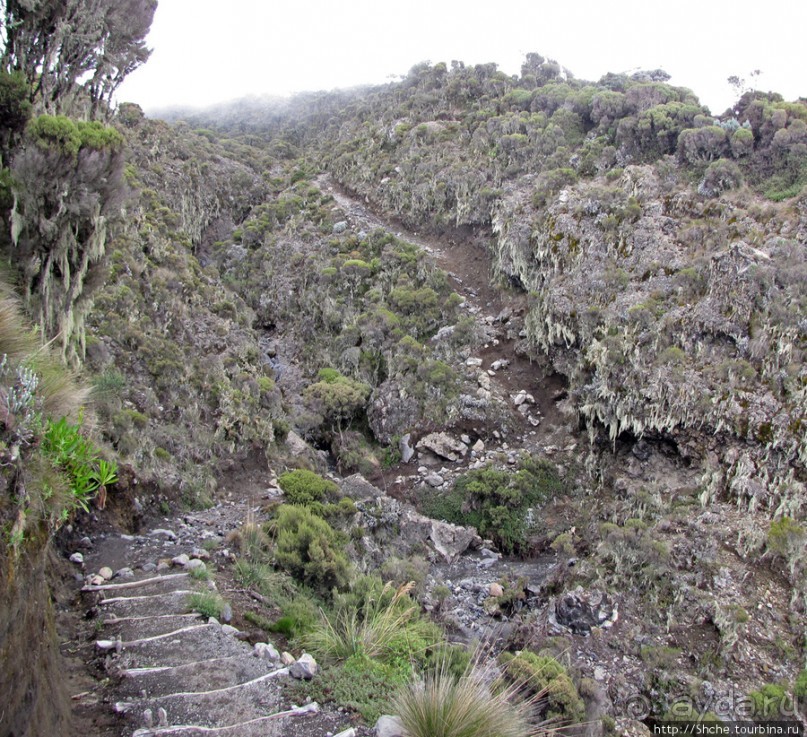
column 599, row 673
column 95, row 580
column 340, row 227
column 106, row 573
column 466, row 439
column 305, row 668
column 195, row 564
column 478, row 446
column 227, row 613
column 488, row 553
column 499, row 364
column 228, row 629
column 434, row 480
column 483, row 380
column 200, row 554
column 407, row 451
column 124, row 573
column 148, row 567
column 85, row 543
column 473, row 362
column 533, row 420
column 77, row 558
column 162, row 717
column 180, row 560
column 495, row 589
column 266, row 651
column 148, row 718
column 347, row 733
column 389, row 726
column 286, row 658
column 163, row 566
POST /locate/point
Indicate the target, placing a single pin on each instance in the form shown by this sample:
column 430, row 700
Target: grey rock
column 340, row 227
column 77, row 558
column 227, row 613
column 304, row 668
column 124, row 573
column 266, row 651
column 180, row 560
column 389, row 726
column 346, row 733
column 451, row 541
column 407, row 451
column 357, row 487
column 228, row 629
column 106, row 573
column 434, row 480
column 148, row 567
column 195, row 564
column 163, row 533
column 443, row 445
column 581, row 610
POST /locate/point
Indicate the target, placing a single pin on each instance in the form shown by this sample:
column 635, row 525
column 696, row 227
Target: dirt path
column 499, row 312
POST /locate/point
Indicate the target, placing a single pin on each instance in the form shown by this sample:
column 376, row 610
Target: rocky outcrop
column 669, row 329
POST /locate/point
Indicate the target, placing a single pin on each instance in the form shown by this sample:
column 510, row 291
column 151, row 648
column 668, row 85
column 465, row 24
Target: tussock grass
column 371, row 630
column 442, row 704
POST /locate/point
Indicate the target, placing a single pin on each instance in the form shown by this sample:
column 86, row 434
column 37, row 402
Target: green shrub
column 304, row 487
column 310, row 549
column 207, row 603
column 496, row 502
column 544, row 676
column 771, row 702
column 363, row 685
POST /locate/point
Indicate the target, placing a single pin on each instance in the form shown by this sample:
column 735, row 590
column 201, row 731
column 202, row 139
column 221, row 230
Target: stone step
column 221, row 707
column 195, row 676
column 270, row 725
column 142, row 605
column 137, row 627
column 186, row 645
column 164, row 582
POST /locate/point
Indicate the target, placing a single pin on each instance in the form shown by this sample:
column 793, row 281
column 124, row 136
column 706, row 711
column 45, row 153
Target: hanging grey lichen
column 68, row 187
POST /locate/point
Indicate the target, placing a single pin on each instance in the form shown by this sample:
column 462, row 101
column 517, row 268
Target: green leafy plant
column 69, row 450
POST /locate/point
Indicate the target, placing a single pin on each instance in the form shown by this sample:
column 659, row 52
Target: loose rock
column 389, row 726
column 305, row 668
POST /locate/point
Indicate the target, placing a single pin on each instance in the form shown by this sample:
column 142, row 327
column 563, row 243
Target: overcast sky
column 207, row 51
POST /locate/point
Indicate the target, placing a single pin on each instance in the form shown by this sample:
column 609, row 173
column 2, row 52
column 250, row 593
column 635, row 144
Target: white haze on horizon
column 205, row 52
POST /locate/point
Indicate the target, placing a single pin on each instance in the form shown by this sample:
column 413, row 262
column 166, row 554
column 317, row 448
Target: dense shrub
column 310, row 549
column 497, row 502
column 303, row 487
column 542, row 674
